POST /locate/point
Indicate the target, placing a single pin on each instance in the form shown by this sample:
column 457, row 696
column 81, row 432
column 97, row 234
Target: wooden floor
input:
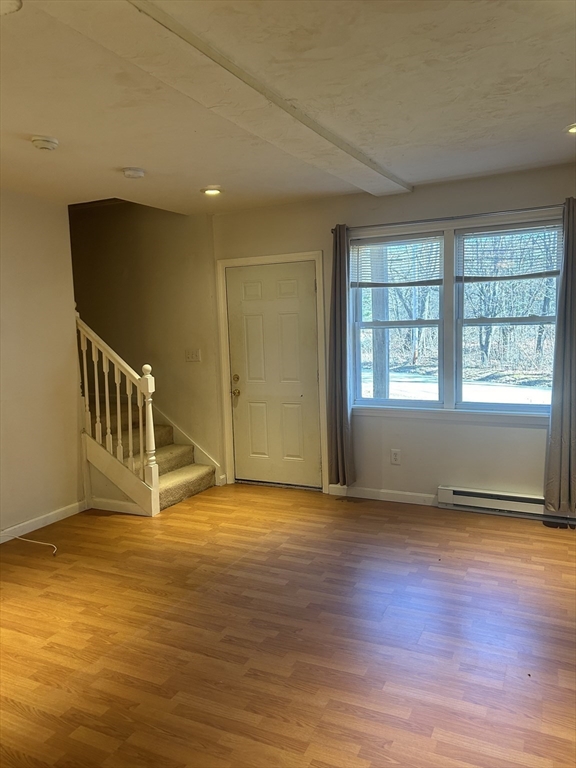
column 264, row 628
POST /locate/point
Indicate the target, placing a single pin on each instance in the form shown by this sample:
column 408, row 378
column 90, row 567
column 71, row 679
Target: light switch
column 193, row 356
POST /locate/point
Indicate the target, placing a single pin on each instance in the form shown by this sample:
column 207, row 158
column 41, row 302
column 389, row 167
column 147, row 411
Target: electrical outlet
column 192, row 355
column 394, row 455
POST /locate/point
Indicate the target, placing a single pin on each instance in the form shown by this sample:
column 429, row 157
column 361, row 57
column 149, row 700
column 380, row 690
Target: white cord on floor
column 45, row 543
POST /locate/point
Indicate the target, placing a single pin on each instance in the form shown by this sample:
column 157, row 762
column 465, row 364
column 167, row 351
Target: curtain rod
column 456, row 218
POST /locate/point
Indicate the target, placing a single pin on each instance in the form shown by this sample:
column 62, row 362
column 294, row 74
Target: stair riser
column 171, row 496
column 170, row 463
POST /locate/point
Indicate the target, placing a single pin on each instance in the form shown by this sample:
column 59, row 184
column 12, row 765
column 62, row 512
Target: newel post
column 147, row 387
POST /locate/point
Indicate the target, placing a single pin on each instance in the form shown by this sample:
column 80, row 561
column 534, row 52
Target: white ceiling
column 284, row 100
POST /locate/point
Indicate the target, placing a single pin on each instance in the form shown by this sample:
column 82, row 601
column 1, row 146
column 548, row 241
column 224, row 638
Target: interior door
column 274, row 373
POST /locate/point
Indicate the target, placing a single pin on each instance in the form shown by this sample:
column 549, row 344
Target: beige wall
column 144, row 281
column 491, row 455
column 40, row 460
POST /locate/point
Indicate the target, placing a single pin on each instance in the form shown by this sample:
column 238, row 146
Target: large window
column 456, row 318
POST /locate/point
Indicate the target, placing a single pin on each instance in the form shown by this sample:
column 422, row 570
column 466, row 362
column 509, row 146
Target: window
column 456, row 318
column 397, row 286
column 506, row 287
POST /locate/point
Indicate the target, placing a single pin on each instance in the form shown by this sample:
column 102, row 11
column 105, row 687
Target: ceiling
column 281, row 101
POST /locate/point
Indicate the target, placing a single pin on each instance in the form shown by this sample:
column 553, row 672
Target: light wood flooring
column 267, row 628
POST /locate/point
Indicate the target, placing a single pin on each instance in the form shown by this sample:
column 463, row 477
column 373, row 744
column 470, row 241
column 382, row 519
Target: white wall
column 473, row 452
column 493, row 454
column 144, row 281
column 40, row 456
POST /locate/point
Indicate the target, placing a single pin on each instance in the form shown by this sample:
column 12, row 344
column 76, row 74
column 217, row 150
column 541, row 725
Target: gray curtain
column 560, row 480
column 340, row 457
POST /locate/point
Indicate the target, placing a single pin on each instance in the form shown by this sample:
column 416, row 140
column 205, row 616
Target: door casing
column 224, row 341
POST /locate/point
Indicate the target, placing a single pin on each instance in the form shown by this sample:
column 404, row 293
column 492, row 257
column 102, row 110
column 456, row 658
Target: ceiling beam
column 171, row 53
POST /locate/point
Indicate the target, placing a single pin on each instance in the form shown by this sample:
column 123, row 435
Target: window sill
column 493, row 418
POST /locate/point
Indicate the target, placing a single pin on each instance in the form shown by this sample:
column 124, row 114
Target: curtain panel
column 340, row 456
column 560, row 477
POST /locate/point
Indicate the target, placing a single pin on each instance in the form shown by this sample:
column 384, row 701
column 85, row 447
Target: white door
column 274, row 372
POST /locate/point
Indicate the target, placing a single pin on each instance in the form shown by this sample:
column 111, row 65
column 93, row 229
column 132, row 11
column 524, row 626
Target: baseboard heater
column 451, row 497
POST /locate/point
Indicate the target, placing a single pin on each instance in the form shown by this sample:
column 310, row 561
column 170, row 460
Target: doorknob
column 235, row 392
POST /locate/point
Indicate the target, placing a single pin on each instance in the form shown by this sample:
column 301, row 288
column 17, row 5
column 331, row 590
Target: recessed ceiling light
column 134, row 173
column 571, row 128
column 212, row 190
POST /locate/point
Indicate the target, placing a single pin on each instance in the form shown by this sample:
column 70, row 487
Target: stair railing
column 105, row 361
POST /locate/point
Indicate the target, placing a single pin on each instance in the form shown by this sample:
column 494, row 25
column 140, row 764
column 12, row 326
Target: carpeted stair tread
column 170, row 458
column 182, row 483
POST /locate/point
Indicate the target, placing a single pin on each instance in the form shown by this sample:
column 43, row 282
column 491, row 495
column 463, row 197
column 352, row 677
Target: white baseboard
column 221, row 480
column 113, row 505
column 382, row 494
column 338, row 490
column 40, row 522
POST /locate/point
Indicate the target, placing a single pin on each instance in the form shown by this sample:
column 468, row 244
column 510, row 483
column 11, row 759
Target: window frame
column 450, row 323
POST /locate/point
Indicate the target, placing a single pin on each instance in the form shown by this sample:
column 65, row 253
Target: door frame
column 224, row 342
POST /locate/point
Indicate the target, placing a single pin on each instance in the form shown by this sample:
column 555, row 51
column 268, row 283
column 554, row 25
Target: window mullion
column 448, row 328
column 399, row 323
column 355, row 325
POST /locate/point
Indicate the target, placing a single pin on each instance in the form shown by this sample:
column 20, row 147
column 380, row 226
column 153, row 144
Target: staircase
column 179, row 476
column 122, row 439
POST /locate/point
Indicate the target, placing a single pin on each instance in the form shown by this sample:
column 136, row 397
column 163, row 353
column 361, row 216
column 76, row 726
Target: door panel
column 254, row 348
column 258, row 429
column 289, row 343
column 292, row 442
column 274, row 354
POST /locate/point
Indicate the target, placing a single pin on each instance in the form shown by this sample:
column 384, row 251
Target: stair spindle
column 85, row 391
column 98, row 424
column 119, row 446
column 106, row 368
column 140, row 400
column 130, row 437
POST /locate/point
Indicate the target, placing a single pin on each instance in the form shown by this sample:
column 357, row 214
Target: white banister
column 144, row 387
column 108, row 351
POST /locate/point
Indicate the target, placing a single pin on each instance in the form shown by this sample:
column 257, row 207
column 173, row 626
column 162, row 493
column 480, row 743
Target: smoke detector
column 134, row 173
column 9, row 6
column 44, row 142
